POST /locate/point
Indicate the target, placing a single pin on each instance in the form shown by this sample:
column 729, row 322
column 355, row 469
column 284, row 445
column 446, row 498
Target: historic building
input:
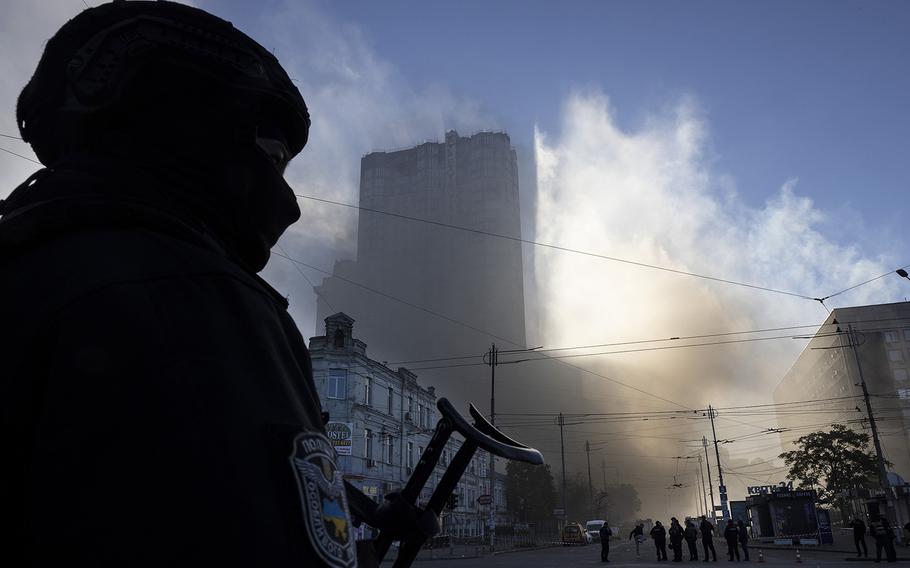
column 380, row 421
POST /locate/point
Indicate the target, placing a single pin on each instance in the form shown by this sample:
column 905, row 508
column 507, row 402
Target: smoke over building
column 455, row 291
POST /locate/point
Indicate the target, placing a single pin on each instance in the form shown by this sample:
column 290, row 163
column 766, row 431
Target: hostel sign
column 341, row 434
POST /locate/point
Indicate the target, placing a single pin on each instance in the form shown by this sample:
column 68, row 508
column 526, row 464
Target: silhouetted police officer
column 158, row 404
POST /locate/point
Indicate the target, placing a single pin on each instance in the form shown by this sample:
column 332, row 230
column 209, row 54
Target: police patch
column 325, row 504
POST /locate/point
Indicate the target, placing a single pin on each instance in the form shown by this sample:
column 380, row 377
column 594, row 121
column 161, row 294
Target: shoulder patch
column 324, row 501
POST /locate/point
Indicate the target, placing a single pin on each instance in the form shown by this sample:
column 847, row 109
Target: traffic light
column 452, row 501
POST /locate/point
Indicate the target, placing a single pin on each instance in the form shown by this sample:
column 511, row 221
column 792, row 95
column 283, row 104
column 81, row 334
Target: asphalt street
column 624, row 556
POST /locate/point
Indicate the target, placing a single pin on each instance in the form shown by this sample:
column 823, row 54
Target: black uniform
column 884, row 539
column 676, row 538
column 638, row 535
column 731, row 535
column 743, row 538
column 859, row 537
column 707, row 538
column 605, row 533
column 158, row 405
column 659, row 534
column 691, row 536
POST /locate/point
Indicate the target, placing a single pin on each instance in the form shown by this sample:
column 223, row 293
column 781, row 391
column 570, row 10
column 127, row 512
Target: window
column 890, row 337
column 904, row 394
column 445, row 457
column 420, row 415
column 907, row 335
column 419, row 453
column 338, row 340
column 895, row 356
column 409, row 458
column 368, row 391
column 389, row 448
column 411, row 405
column 336, row 386
column 391, row 396
column 368, row 443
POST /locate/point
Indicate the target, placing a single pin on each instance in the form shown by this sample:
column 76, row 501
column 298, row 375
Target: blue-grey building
column 380, row 421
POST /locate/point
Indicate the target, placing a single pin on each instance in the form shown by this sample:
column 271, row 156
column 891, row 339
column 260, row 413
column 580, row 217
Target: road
column 622, row 556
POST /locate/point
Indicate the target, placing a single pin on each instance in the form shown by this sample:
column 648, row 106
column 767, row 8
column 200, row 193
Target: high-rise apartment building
column 827, row 372
column 406, row 269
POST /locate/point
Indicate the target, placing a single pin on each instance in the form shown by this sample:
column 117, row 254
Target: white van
column 593, row 529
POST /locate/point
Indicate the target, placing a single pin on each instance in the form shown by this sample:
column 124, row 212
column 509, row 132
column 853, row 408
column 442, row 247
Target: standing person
column 638, row 535
column 707, row 538
column 605, row 533
column 676, row 538
column 859, row 537
column 691, row 536
column 659, row 534
column 884, row 539
column 141, row 351
column 731, row 535
column 743, row 538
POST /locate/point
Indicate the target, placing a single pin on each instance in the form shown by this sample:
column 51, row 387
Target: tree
column 530, row 495
column 621, row 503
column 833, row 462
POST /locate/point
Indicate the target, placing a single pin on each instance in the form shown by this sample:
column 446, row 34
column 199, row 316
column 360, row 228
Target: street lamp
column 902, row 273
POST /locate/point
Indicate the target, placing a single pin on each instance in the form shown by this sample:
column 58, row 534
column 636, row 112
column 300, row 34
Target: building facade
column 827, row 370
column 436, row 274
column 380, row 422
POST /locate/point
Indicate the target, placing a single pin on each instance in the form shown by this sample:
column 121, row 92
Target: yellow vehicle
column 573, row 533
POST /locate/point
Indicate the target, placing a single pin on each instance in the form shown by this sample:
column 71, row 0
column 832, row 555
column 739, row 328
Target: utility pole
column 590, row 484
column 603, row 469
column 562, row 449
column 704, row 493
column 704, row 442
column 882, row 472
column 492, row 360
column 722, row 489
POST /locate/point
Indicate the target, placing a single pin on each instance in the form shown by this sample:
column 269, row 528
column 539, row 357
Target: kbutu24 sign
column 763, row 489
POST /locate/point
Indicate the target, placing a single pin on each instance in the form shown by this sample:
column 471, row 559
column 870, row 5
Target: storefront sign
column 762, row 489
column 341, row 434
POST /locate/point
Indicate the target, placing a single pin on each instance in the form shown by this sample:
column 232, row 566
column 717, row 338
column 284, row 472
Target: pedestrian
column 884, row 539
column 676, row 538
column 859, row 537
column 141, row 351
column 743, row 538
column 659, row 534
column 707, row 538
column 605, row 533
column 638, row 535
column 731, row 535
column 691, row 536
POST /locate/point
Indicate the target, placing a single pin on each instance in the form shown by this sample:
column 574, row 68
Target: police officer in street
column 691, row 536
column 676, row 537
column 158, row 404
column 731, row 535
column 859, row 536
column 638, row 535
column 707, row 537
column 659, row 534
column 605, row 533
column 743, row 538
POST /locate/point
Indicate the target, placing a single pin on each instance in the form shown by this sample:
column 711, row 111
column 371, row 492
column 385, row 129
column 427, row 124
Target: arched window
column 339, row 338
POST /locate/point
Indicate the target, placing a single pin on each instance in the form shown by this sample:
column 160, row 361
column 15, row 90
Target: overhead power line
column 555, row 247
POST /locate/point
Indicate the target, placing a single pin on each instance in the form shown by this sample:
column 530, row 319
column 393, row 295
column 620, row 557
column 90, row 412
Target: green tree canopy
column 832, row 462
column 530, row 494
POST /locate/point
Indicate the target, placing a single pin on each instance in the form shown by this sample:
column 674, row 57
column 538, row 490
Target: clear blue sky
column 816, row 90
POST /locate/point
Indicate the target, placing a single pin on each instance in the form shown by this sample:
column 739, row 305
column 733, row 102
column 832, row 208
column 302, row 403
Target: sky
column 761, row 142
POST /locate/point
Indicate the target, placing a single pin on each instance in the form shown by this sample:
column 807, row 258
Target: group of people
column 881, row 531
column 735, row 534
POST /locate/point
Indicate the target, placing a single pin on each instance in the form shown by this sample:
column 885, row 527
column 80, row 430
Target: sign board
column 559, row 512
column 341, row 434
column 718, row 507
column 764, row 489
column 723, row 488
column 484, row 499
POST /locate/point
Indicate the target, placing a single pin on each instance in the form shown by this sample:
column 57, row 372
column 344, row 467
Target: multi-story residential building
column 827, row 371
column 433, row 270
column 380, row 421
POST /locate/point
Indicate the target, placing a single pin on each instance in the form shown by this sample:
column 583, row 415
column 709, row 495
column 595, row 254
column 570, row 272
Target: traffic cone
column 799, row 559
column 761, row 556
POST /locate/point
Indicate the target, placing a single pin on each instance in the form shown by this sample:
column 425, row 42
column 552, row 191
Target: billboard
column 341, row 434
